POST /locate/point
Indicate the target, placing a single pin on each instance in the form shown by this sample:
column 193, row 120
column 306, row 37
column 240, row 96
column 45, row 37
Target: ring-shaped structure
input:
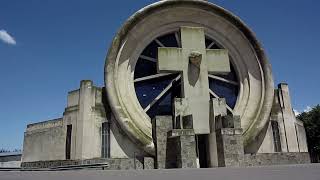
column 253, row 70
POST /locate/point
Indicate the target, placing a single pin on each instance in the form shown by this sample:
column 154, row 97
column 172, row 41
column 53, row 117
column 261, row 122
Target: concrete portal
column 252, row 69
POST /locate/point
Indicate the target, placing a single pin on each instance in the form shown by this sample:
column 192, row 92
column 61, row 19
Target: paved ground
column 293, row 172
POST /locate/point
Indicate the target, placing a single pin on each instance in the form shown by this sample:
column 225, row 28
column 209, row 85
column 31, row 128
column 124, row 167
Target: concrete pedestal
column 182, row 149
column 230, row 148
column 148, row 163
column 161, row 126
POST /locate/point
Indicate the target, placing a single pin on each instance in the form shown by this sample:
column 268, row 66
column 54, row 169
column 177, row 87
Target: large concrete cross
column 194, row 61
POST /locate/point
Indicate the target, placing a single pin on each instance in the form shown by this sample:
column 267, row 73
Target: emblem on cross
column 194, row 62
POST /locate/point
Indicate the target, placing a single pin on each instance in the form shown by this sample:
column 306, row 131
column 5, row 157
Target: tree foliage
column 2, row 150
column 311, row 122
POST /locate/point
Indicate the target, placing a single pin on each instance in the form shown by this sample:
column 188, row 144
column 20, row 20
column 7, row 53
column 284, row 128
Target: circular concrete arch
column 251, row 65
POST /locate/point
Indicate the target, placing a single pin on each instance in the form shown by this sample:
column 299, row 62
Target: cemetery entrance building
column 187, row 85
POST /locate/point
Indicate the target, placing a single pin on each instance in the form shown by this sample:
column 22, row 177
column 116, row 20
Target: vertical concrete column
column 302, row 137
column 288, row 118
column 182, row 148
column 84, row 124
column 276, row 115
column 229, row 142
column 218, row 109
column 161, row 126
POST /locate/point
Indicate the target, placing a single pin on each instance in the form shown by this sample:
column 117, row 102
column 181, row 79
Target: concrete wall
column 6, row 157
column 70, row 118
column 302, row 137
column 291, row 130
column 120, row 144
column 10, row 164
column 114, row 164
column 10, row 160
column 73, row 98
column 267, row 145
column 44, row 141
column 276, row 115
column 265, row 159
column 86, row 111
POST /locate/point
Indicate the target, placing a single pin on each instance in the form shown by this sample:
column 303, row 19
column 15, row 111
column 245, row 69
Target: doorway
column 202, row 150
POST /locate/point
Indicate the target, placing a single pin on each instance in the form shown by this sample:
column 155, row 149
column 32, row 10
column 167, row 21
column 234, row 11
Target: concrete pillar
column 87, row 141
column 302, row 137
column 182, row 148
column 148, row 163
column 218, row 109
column 229, row 142
column 276, row 115
column 288, row 118
column 161, row 126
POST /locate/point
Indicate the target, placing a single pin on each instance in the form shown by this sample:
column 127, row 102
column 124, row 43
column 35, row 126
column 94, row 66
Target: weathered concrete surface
column 148, row 163
column 161, row 126
column 11, row 156
column 230, row 147
column 10, row 164
column 182, row 148
column 87, row 127
column 267, row 145
column 10, row 159
column 302, row 137
column 44, row 141
column 86, row 112
column 288, row 118
column 218, row 109
column 265, row 159
column 276, row 115
column 114, row 164
column 121, row 145
column 291, row 130
column 293, row 172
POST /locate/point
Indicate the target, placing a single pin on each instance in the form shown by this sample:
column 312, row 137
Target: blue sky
column 47, row 47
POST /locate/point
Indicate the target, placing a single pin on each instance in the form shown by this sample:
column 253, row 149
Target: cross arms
column 218, row 61
column 170, row 59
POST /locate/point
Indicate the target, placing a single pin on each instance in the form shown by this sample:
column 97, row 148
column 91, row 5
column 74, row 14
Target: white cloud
column 296, row 112
column 7, row 38
column 307, row 109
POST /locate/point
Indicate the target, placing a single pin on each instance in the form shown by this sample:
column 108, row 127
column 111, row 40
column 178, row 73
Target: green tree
column 311, row 122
